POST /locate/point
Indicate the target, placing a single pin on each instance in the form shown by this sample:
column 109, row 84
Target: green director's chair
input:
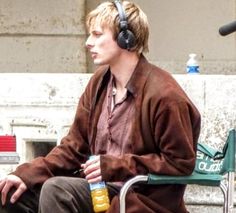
column 213, row 168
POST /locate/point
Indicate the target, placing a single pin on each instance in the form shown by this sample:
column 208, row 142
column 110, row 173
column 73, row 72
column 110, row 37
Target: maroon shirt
column 115, row 122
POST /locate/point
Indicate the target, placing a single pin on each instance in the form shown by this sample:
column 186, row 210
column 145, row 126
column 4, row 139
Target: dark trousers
column 57, row 195
column 28, row 202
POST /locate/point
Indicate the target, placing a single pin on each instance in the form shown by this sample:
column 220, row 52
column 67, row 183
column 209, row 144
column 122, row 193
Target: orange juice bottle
column 99, row 194
column 100, row 198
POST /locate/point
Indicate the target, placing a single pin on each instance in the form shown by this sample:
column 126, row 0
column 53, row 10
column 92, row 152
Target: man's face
column 102, row 46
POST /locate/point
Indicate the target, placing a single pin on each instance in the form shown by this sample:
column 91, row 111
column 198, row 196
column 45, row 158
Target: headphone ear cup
column 126, row 39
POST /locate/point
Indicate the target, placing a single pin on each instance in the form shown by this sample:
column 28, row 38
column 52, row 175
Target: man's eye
column 97, row 34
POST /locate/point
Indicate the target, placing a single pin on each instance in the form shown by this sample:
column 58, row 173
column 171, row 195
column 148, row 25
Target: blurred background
column 48, row 36
column 43, row 62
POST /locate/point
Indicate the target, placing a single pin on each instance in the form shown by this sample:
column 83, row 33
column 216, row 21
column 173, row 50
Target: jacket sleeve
column 176, row 130
column 65, row 158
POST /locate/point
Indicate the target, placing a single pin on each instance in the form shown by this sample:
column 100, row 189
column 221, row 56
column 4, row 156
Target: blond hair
column 106, row 15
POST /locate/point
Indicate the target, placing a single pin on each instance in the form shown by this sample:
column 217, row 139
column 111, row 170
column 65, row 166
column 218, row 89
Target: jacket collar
column 139, row 76
column 137, row 79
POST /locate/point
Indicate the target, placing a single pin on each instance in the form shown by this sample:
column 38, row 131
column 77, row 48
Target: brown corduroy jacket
column 164, row 135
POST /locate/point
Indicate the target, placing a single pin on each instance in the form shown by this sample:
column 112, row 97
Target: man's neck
column 124, row 68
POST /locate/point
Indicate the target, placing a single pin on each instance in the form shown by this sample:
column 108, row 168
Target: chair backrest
column 210, row 161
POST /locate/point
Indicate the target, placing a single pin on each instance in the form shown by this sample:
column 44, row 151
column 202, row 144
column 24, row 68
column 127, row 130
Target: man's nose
column 89, row 42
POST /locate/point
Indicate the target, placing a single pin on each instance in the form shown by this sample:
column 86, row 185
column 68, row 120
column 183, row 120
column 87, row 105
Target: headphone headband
column 123, row 21
column 125, row 38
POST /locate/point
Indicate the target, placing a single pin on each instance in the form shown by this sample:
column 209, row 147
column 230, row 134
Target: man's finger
column 2, row 183
column 95, row 180
column 5, row 191
column 94, row 176
column 20, row 190
column 91, row 168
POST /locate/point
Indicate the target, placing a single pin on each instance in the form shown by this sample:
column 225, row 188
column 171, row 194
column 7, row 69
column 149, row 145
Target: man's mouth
column 93, row 54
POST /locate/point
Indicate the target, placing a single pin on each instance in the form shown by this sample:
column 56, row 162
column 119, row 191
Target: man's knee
column 65, row 195
column 8, row 204
column 50, row 184
column 56, row 184
column 27, row 202
column 53, row 186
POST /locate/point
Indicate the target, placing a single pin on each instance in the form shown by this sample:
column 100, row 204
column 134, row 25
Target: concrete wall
column 42, row 36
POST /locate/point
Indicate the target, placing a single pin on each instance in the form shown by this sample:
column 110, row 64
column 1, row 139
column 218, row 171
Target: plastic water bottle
column 192, row 64
column 99, row 194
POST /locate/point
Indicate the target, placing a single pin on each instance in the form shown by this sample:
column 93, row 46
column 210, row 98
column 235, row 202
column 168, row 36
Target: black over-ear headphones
column 125, row 38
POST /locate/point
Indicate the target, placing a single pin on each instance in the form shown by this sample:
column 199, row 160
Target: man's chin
column 99, row 63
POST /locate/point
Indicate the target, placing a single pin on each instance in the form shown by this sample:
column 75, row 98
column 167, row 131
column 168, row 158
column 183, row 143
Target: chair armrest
column 195, row 178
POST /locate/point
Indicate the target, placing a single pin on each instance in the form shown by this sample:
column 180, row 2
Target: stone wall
column 42, row 36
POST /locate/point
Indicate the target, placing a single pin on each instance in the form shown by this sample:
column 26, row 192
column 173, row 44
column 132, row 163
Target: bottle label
column 193, row 69
column 98, row 185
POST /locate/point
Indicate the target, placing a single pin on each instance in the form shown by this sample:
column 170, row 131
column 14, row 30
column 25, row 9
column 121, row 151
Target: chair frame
column 225, row 182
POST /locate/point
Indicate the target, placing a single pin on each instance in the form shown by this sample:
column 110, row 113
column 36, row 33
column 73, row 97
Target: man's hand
column 7, row 183
column 92, row 170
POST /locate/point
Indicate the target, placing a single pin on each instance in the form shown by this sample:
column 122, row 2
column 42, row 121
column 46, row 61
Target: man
column 133, row 116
